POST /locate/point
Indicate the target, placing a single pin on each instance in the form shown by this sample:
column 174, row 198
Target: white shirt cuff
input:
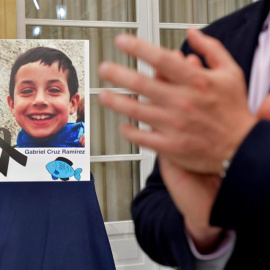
column 226, row 245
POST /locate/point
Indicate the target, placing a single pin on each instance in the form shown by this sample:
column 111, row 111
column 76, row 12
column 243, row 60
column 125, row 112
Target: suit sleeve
column 243, row 202
column 159, row 225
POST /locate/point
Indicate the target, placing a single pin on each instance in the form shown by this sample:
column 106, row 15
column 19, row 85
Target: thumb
column 214, row 53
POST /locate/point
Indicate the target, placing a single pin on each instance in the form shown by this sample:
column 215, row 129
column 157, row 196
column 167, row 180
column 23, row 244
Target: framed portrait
column 44, row 110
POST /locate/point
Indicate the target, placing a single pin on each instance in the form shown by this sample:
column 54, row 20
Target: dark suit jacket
column 243, row 202
column 52, row 226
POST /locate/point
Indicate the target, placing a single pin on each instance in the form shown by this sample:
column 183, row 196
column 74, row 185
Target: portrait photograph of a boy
column 42, row 90
column 43, row 93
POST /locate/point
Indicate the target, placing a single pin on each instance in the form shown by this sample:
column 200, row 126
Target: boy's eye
column 26, row 92
column 54, row 90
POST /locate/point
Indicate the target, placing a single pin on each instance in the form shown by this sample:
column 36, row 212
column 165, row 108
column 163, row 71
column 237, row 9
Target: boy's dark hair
column 47, row 56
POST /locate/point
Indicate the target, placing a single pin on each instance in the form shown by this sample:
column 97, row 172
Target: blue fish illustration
column 61, row 168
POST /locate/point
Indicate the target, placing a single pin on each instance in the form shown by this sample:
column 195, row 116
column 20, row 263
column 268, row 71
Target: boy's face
column 42, row 104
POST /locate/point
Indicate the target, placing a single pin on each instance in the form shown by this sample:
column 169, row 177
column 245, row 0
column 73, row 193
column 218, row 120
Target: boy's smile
column 42, row 101
column 40, row 116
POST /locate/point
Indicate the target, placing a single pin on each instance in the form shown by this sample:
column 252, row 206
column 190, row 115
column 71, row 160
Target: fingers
column 173, row 66
column 156, row 90
column 157, row 140
column 147, row 113
column 148, row 139
column 264, row 110
column 210, row 48
column 194, row 60
column 150, row 114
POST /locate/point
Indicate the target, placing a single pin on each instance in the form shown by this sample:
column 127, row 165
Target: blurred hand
column 198, row 116
column 264, row 110
column 194, row 195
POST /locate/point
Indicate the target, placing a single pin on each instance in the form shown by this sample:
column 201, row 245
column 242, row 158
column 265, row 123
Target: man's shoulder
column 251, row 16
column 232, row 21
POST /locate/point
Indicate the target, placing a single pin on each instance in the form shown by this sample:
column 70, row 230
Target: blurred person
column 205, row 205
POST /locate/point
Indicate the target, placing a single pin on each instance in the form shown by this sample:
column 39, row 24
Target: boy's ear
column 10, row 104
column 74, row 102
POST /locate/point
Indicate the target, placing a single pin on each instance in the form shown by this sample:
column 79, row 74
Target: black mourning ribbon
column 9, row 151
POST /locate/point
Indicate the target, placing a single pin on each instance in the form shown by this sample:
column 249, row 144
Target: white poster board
column 44, row 110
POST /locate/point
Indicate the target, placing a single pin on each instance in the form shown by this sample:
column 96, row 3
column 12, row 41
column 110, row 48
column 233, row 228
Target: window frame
column 148, row 28
column 146, row 157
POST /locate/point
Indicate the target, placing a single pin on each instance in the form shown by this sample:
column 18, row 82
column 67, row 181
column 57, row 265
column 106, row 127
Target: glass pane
column 101, row 45
column 92, row 10
column 104, row 126
column 172, row 39
column 116, row 185
column 197, row 11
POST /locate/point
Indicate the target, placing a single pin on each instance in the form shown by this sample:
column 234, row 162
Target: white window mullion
column 96, row 91
column 155, row 22
column 80, row 23
column 114, row 158
column 145, row 33
column 180, row 26
column 21, row 29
